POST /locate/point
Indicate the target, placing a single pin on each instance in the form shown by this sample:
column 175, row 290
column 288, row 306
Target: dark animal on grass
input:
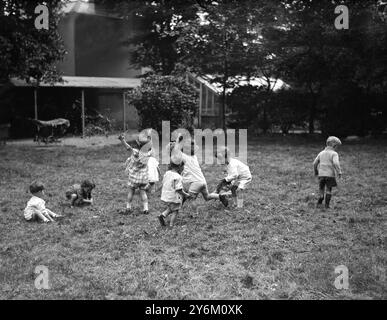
column 50, row 131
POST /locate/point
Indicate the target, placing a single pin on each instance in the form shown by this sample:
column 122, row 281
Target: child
column 326, row 167
column 153, row 173
column 172, row 193
column 193, row 179
column 238, row 176
column 36, row 207
column 137, row 170
column 80, row 194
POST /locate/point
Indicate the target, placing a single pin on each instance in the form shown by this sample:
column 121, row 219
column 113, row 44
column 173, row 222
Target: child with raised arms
column 137, row 170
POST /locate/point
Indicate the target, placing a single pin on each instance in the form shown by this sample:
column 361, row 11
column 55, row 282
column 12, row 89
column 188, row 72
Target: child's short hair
column 36, row 187
column 87, row 184
column 333, row 141
column 223, row 151
column 176, row 166
column 143, row 139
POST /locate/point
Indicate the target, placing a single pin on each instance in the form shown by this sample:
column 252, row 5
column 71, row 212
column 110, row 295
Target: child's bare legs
column 239, row 197
column 328, row 196
column 130, row 199
column 42, row 216
column 214, row 196
column 321, row 195
column 73, row 197
column 52, row 214
column 173, row 218
column 144, row 200
column 162, row 217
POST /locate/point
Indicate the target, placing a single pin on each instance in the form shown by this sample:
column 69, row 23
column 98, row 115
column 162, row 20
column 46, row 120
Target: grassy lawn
column 278, row 247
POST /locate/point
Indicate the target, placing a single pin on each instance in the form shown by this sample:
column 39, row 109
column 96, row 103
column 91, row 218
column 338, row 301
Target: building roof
column 240, row 81
column 216, row 87
column 86, row 82
column 86, row 7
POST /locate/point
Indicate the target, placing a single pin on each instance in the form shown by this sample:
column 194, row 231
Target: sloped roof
column 277, row 84
column 86, row 82
column 217, row 88
column 86, row 7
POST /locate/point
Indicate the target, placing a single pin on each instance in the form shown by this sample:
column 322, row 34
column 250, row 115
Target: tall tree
column 223, row 42
column 27, row 52
column 312, row 55
column 155, row 34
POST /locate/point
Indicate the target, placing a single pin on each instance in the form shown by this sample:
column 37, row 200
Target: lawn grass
column 278, row 247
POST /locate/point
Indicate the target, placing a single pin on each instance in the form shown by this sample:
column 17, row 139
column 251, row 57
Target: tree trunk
column 223, row 109
column 224, row 94
column 312, row 111
column 225, row 80
column 264, row 126
column 312, row 115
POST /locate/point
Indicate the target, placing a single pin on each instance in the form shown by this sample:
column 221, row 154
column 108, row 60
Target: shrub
column 255, row 107
column 164, row 98
column 288, row 109
column 244, row 103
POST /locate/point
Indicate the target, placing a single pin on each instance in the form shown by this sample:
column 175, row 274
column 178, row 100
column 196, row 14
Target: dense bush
column 164, row 98
column 287, row 109
column 254, row 107
column 352, row 111
column 245, row 103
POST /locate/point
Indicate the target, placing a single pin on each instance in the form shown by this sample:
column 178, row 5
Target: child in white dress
column 36, row 207
column 153, row 174
column 137, row 170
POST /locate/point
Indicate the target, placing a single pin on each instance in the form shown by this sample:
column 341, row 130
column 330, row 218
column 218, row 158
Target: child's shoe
column 162, row 220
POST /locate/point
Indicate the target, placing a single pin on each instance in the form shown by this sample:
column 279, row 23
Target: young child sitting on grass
column 80, row 194
column 172, row 193
column 36, row 207
column 238, row 176
column 326, row 167
column 137, row 170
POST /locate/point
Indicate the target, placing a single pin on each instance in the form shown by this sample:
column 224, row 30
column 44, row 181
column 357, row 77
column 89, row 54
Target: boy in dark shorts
column 327, row 167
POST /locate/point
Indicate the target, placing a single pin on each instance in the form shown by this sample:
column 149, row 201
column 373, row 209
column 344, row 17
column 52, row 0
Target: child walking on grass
column 36, row 207
column 137, row 170
column 172, row 193
column 238, row 176
column 327, row 167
